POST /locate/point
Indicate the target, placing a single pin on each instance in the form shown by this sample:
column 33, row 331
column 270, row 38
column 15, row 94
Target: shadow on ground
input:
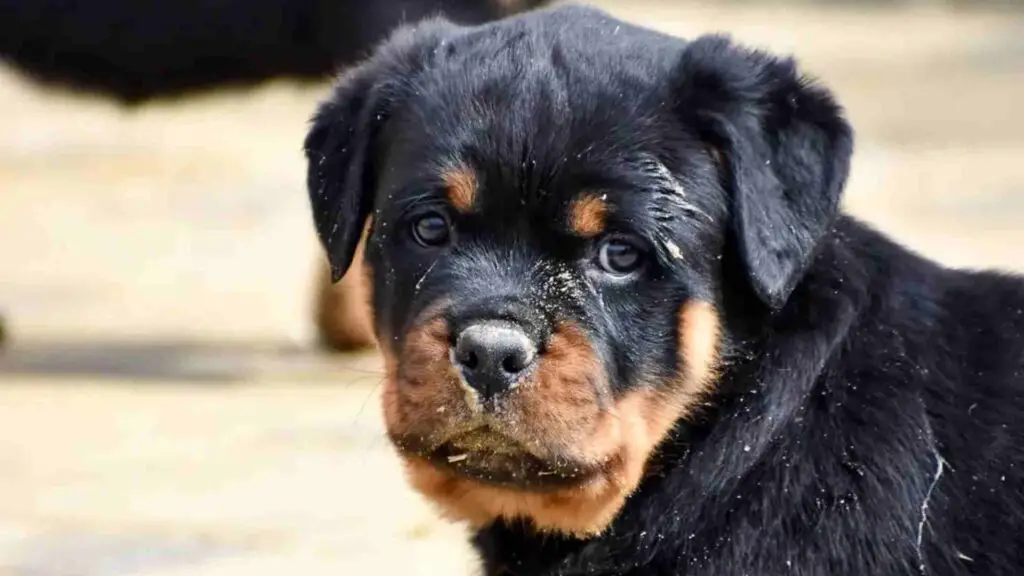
column 167, row 362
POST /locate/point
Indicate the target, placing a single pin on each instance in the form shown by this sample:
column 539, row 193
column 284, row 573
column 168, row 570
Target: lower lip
column 510, row 469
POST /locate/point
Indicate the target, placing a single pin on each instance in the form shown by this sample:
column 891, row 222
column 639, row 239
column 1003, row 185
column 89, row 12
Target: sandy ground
column 161, row 411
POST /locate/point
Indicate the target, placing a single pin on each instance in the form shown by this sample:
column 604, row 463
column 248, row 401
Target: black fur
column 868, row 416
column 787, row 152
column 136, row 51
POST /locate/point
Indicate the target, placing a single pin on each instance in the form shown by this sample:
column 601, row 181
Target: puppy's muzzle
column 493, row 356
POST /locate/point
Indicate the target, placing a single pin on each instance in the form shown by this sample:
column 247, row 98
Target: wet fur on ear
column 342, row 146
column 785, row 150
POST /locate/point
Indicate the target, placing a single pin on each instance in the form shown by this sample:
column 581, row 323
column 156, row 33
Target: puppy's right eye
column 431, row 230
column 620, row 256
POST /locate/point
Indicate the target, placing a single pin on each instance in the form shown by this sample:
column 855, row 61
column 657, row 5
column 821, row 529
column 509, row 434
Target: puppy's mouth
column 490, row 457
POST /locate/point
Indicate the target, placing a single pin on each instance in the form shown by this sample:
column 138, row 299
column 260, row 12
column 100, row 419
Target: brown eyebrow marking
column 588, row 214
column 460, row 187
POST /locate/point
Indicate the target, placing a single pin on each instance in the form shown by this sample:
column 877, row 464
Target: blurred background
column 164, row 409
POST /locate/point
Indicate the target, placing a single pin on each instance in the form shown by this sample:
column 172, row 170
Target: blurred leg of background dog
column 343, row 316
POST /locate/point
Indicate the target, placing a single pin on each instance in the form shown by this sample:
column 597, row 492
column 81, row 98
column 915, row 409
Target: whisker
column 366, row 400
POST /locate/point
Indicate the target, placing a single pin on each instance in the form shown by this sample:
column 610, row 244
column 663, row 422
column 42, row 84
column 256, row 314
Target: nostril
column 469, row 359
column 514, row 363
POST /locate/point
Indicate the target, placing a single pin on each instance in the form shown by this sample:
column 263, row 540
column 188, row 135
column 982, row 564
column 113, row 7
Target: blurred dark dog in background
column 136, row 52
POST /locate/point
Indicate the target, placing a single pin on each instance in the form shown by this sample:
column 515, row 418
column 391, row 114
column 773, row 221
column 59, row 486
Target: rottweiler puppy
column 627, row 331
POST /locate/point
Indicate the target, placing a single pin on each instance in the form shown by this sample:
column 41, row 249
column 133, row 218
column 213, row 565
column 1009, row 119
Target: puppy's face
column 546, row 311
column 546, row 237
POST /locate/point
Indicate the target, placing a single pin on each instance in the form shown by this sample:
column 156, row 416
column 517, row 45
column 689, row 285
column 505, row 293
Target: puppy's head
column 549, row 200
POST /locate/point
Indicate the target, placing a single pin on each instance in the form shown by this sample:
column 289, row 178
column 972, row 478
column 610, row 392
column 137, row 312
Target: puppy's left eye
column 431, row 230
column 620, row 256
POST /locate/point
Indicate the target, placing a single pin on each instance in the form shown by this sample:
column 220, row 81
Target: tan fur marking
column 342, row 312
column 699, row 339
column 421, row 396
column 461, row 188
column 588, row 215
column 560, row 406
column 416, row 388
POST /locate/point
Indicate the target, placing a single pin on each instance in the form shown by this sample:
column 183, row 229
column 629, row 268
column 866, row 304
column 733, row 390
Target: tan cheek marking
column 588, row 215
column 560, row 402
column 418, row 397
column 461, row 187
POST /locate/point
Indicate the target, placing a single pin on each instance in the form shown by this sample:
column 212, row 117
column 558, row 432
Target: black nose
column 493, row 356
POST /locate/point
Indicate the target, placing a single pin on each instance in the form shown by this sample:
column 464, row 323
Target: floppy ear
column 340, row 173
column 342, row 146
column 785, row 151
